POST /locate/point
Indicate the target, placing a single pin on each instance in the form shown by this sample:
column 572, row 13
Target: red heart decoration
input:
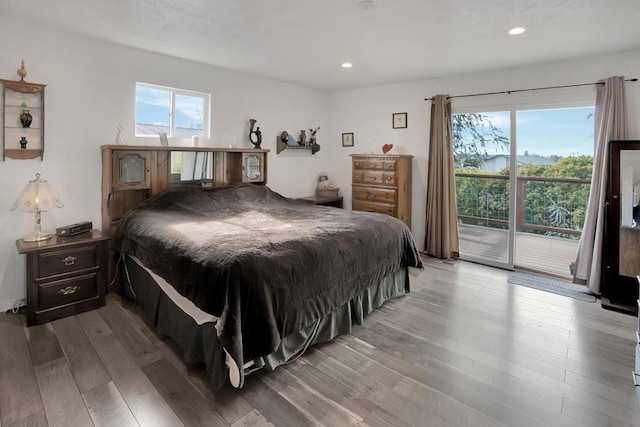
column 386, row 148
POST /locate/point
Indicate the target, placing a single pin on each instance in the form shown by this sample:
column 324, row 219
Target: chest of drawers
column 65, row 275
column 382, row 183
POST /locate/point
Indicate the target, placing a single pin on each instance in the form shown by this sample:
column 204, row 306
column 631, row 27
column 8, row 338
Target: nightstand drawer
column 65, row 261
column 62, row 292
column 375, row 194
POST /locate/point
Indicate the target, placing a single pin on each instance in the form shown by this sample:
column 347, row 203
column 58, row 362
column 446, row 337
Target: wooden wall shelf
column 281, row 146
column 18, row 97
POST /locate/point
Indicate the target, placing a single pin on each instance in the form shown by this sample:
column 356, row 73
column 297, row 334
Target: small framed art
column 347, row 139
column 399, row 120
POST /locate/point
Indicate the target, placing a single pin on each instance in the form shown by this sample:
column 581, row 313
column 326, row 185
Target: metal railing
column 549, row 206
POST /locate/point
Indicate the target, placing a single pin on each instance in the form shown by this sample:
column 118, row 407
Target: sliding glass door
column 522, row 184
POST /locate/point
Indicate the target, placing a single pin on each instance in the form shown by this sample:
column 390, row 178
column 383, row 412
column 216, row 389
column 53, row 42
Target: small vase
column 26, row 118
column 23, row 142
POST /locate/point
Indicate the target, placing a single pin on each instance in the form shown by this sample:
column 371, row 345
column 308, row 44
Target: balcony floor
column 533, row 251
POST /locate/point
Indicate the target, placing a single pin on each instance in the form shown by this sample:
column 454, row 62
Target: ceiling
column 303, row 42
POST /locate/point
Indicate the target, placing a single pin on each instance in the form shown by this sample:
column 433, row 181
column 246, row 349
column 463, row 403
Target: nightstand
column 65, row 275
column 335, row 202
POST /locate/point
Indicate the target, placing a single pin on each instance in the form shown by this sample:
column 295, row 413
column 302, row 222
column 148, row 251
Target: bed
column 243, row 278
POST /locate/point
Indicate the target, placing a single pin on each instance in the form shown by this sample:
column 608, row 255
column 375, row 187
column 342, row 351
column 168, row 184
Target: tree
column 472, row 134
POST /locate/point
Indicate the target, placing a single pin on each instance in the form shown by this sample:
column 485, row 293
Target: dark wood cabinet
column 65, row 275
column 621, row 247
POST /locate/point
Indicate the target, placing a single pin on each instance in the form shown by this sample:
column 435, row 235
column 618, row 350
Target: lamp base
column 37, row 238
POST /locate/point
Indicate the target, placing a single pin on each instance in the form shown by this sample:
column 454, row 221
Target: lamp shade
column 37, row 196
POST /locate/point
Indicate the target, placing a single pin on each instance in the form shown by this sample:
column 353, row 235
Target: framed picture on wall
column 347, row 139
column 399, row 120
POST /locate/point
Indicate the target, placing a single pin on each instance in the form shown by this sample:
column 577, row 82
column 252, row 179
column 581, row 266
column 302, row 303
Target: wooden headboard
column 131, row 174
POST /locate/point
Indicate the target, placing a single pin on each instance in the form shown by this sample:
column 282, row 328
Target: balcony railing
column 549, row 206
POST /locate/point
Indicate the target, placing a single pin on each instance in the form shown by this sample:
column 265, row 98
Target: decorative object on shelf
column 399, row 120
column 23, row 142
column 163, row 139
column 37, row 197
column 303, row 137
column 312, row 135
column 285, row 141
column 25, row 118
column 22, row 71
column 386, row 148
column 326, row 188
column 119, row 140
column 347, row 139
column 255, row 136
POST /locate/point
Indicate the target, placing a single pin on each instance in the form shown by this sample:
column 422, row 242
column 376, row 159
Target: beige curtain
column 441, row 224
column 610, row 124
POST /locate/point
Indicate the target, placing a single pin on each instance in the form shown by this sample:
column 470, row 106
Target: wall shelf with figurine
column 22, row 118
column 287, row 142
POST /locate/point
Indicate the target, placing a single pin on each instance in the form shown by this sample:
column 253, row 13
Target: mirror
column 191, row 168
column 252, row 166
column 629, row 245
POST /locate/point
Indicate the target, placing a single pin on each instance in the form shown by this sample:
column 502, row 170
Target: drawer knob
column 372, row 209
column 70, row 260
column 373, row 178
column 389, row 178
column 373, row 165
column 68, row 290
column 371, row 196
column 357, row 164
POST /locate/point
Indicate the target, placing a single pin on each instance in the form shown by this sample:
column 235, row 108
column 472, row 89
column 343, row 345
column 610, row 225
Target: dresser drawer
column 372, row 177
column 62, row 292
column 375, row 194
column 375, row 164
column 66, row 261
column 360, row 205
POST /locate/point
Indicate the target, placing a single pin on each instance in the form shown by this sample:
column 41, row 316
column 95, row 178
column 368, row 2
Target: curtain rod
column 509, row 92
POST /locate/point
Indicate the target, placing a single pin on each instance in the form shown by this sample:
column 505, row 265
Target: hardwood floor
column 465, row 348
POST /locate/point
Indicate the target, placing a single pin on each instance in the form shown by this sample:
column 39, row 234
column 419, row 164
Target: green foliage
column 551, row 204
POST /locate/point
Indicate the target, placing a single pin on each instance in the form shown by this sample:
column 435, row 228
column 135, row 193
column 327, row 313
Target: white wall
column 90, row 89
column 367, row 112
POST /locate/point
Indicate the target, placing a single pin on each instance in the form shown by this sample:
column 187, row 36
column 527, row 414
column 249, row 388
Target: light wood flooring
column 465, row 348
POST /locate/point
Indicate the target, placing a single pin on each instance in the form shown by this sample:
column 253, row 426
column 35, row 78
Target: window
column 178, row 113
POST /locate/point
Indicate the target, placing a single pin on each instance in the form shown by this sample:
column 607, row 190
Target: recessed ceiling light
column 347, row 65
column 367, row 4
column 516, row 30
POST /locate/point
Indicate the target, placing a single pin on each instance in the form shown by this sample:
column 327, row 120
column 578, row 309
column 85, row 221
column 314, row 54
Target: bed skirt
column 197, row 337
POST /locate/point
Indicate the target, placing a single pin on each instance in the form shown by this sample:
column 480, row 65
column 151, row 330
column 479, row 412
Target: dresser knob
column 373, row 178
column 372, row 165
column 68, row 290
column 389, row 178
column 70, row 260
column 371, row 209
column 371, row 196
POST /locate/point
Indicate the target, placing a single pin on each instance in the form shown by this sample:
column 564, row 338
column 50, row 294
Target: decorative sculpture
column 22, row 71
column 312, row 135
column 119, row 140
column 255, row 136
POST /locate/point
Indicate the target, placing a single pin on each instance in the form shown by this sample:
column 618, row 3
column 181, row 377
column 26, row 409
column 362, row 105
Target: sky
column 562, row 132
column 153, row 106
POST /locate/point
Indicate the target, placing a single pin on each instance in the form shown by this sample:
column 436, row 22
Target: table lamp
column 37, row 196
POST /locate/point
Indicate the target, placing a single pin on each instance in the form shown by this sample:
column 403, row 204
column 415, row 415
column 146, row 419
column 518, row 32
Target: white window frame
column 206, row 116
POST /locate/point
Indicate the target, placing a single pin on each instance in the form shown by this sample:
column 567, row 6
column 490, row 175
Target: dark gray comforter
column 265, row 265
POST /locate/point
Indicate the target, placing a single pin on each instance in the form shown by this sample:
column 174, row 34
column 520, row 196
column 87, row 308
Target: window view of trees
column 552, row 190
